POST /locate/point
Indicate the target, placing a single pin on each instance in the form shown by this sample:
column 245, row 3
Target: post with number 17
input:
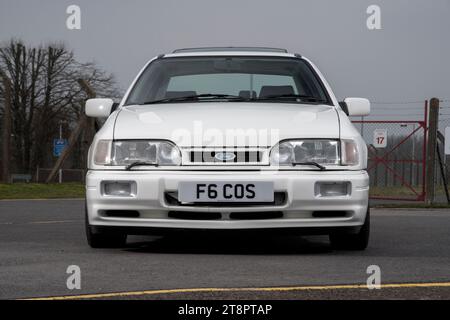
column 380, row 138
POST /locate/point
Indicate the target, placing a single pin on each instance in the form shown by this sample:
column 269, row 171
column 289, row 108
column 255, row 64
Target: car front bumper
column 298, row 209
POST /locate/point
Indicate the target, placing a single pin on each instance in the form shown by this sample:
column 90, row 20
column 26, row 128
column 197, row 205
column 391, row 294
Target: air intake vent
column 187, row 215
column 280, row 198
column 256, row 215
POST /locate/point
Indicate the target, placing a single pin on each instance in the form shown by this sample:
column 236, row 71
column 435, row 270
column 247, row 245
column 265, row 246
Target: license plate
column 225, row 191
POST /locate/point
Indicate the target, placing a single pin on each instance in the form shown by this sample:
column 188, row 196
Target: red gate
column 398, row 170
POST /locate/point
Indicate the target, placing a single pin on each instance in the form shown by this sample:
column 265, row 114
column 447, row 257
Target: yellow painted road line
column 262, row 289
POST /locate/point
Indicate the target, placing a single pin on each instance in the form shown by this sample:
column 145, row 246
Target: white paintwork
column 99, row 108
column 357, row 106
column 290, row 121
column 162, row 121
column 299, row 186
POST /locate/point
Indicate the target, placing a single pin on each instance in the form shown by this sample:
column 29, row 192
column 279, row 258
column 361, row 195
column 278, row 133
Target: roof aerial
column 208, row 49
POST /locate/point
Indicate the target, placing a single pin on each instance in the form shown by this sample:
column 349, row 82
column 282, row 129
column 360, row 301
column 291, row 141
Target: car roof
column 231, row 51
column 209, row 49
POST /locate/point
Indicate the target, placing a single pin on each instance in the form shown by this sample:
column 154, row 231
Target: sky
column 398, row 66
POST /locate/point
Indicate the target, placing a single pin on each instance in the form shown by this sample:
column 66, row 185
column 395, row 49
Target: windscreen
column 250, row 78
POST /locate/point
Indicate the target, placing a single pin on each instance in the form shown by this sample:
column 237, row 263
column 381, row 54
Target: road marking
column 52, row 221
column 39, row 222
column 262, row 289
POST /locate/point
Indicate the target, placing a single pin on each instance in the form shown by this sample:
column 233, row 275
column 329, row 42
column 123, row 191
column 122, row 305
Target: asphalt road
column 40, row 239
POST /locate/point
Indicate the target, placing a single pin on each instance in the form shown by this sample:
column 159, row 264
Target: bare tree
column 6, row 126
column 45, row 91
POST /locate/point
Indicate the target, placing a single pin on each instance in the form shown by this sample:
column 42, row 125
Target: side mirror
column 357, row 106
column 99, row 108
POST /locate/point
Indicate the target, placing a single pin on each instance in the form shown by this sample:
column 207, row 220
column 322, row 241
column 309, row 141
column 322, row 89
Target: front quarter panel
column 106, row 132
column 348, row 131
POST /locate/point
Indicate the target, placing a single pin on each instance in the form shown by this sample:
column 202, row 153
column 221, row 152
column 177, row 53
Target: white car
column 228, row 139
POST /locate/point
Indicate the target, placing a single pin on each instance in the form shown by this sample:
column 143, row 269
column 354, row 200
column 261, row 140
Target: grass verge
column 41, row 190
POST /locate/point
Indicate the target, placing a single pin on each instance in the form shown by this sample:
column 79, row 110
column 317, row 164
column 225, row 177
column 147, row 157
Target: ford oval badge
column 224, row 156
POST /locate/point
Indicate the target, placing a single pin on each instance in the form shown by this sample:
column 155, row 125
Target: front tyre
column 358, row 241
column 101, row 239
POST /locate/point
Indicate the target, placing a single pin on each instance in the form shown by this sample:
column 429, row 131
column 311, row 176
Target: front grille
column 225, row 156
column 280, row 198
column 237, row 157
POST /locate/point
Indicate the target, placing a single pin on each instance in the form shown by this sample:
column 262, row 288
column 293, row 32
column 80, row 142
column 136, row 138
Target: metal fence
column 397, row 169
column 64, row 175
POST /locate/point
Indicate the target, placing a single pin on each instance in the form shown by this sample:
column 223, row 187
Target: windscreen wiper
column 296, row 96
column 309, row 164
column 140, row 163
column 197, row 97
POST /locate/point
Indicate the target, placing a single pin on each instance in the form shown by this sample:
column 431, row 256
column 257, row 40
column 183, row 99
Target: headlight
column 122, row 153
column 299, row 151
column 324, row 152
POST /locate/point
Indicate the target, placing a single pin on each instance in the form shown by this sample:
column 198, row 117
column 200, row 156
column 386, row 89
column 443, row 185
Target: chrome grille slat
column 237, row 156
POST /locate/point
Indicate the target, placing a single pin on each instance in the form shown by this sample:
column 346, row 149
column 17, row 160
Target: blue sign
column 58, row 146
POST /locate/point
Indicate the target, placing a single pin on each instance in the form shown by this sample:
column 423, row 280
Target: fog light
column 332, row 189
column 119, row 188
